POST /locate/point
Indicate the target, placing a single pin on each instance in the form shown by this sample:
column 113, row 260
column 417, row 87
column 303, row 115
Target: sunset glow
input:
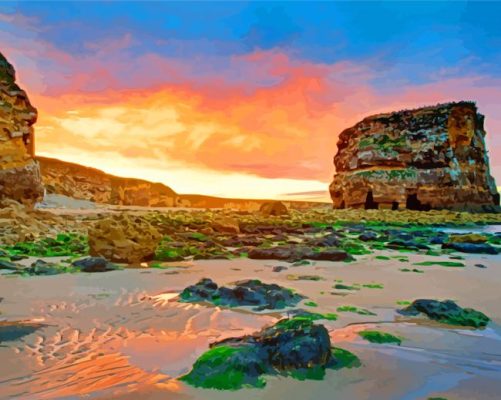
column 206, row 112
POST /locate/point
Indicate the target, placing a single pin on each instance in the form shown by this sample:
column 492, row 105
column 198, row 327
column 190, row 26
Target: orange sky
column 214, row 139
column 224, row 141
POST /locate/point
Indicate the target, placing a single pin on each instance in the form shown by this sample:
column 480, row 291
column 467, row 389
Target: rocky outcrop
column 86, row 183
column 19, row 173
column 427, row 158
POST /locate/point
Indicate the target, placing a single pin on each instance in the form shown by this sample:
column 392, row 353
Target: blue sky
column 423, row 36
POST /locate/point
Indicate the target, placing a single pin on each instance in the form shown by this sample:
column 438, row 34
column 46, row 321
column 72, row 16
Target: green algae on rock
column 356, row 310
column 449, row 264
column 447, row 312
column 250, row 292
column 294, row 347
column 374, row 336
column 63, row 244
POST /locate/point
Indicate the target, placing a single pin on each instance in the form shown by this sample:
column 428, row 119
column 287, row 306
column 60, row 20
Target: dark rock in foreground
column 295, row 347
column 8, row 265
column 14, row 330
column 474, row 248
column 406, row 244
column 296, row 253
column 447, row 312
column 94, row 264
column 250, row 292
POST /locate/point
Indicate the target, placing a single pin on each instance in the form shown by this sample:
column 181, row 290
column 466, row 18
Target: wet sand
column 123, row 335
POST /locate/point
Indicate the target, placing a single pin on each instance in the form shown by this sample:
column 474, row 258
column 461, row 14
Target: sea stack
column 428, row 158
column 19, row 173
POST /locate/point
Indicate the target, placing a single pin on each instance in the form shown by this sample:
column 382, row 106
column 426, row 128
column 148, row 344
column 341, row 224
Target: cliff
column 427, row 158
column 19, row 173
column 86, row 183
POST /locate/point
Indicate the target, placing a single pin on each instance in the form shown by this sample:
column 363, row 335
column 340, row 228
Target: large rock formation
column 86, row 183
column 427, row 158
column 19, row 174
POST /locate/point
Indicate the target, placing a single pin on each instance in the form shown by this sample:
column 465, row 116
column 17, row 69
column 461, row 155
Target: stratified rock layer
column 427, row 158
column 19, row 174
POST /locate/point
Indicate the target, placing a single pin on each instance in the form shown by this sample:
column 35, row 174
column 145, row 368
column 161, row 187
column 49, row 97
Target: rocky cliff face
column 19, row 173
column 85, row 183
column 427, row 158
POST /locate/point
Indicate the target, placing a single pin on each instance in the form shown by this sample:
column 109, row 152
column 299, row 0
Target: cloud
column 265, row 116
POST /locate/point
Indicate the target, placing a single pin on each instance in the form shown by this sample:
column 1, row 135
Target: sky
column 242, row 99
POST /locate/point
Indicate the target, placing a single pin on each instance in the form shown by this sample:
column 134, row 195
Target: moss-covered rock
column 293, row 347
column 447, row 312
column 63, row 244
column 251, row 292
column 374, row 336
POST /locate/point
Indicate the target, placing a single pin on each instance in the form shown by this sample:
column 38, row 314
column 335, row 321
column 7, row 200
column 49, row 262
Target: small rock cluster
column 251, row 292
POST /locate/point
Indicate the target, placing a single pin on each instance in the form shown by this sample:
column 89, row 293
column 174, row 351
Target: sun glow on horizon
column 189, row 180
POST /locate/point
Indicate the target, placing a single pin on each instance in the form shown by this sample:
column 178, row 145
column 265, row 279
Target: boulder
column 273, row 208
column 330, row 240
column 368, row 236
column 124, row 239
column 8, row 265
column 41, row 267
column 296, row 347
column 226, row 225
column 447, row 312
column 427, row 158
column 474, row 248
column 468, row 238
column 295, row 253
column 94, row 264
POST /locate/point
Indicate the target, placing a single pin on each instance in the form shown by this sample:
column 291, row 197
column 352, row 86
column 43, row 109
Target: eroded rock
column 124, row 239
column 19, row 173
column 428, row 158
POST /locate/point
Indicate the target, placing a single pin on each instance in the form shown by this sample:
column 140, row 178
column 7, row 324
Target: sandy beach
column 123, row 334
